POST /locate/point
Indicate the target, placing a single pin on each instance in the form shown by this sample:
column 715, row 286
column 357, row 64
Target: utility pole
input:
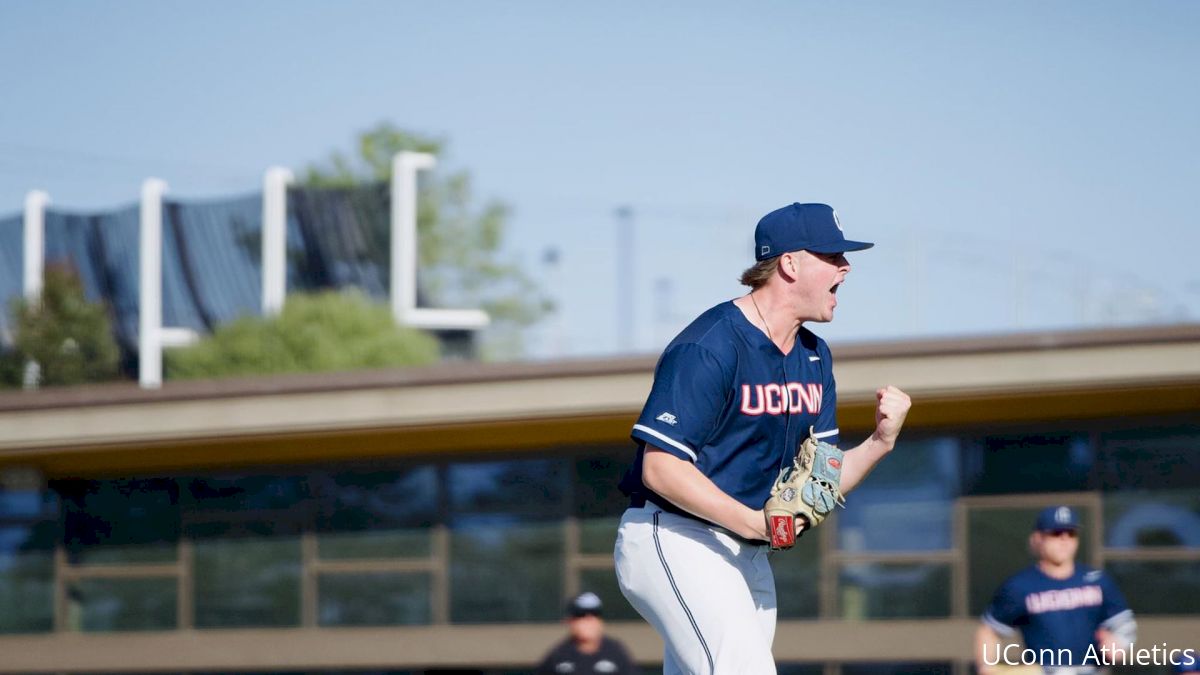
column 556, row 339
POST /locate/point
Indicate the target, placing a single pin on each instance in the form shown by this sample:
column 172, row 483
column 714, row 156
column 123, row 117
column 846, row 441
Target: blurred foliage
column 460, row 261
column 69, row 338
column 314, row 333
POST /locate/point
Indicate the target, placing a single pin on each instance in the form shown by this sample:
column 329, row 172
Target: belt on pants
column 637, row 501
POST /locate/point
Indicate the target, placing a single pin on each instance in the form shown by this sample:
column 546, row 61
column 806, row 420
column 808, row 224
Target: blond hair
column 757, row 276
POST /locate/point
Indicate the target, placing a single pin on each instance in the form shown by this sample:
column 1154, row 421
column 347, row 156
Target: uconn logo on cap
column 1062, row 515
column 838, row 222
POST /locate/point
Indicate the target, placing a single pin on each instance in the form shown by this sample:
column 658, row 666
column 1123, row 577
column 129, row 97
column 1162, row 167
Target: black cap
column 584, row 604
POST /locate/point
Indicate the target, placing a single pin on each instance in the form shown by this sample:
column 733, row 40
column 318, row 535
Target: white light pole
column 274, row 239
column 152, row 336
column 34, row 243
column 405, row 166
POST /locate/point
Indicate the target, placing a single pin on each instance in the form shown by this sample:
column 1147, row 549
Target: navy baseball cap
column 809, row 227
column 584, row 604
column 1057, row 518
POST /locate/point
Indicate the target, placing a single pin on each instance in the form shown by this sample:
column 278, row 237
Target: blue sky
column 1021, row 165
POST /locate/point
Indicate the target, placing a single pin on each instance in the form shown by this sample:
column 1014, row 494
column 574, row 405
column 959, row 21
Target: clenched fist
column 891, row 407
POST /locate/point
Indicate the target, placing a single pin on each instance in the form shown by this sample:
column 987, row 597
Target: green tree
column 69, row 338
column 314, row 333
column 460, row 259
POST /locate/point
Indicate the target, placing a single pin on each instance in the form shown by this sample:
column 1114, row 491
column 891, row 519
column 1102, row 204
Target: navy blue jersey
column 1057, row 613
column 726, row 398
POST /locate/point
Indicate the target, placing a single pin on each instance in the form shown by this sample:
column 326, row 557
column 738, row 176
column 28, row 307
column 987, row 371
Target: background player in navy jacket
column 1073, row 617
column 734, row 394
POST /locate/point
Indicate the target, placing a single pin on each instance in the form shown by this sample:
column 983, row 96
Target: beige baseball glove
column 807, row 490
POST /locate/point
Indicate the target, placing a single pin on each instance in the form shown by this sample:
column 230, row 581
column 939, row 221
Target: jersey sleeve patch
column 686, row 401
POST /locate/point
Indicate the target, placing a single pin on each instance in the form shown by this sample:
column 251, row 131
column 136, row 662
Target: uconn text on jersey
column 769, row 399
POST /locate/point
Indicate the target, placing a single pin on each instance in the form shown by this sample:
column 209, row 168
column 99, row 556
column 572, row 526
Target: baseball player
column 1072, row 617
column 736, row 396
column 586, row 648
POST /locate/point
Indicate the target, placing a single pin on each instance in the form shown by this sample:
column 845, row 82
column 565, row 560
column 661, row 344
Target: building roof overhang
column 480, row 407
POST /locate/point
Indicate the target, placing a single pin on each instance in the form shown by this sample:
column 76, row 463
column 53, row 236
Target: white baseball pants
column 709, row 595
